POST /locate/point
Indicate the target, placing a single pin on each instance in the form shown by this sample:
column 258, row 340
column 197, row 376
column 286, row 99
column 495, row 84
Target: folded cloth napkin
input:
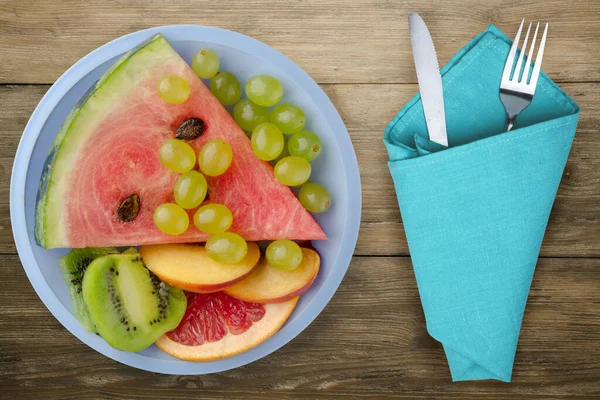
column 475, row 213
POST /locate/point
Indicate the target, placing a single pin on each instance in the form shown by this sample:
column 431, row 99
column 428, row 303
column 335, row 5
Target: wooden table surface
column 370, row 341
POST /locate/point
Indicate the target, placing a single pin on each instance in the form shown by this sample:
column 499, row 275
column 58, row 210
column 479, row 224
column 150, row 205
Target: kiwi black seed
column 73, row 267
column 158, row 307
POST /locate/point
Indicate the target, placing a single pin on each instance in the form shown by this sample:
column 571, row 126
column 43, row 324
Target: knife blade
column 429, row 78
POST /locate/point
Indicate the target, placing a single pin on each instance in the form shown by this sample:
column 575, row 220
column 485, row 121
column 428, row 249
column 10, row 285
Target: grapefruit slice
column 107, row 151
column 217, row 326
column 267, row 284
column 188, row 266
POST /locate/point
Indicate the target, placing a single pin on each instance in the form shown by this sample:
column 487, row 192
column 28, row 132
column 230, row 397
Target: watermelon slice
column 107, row 151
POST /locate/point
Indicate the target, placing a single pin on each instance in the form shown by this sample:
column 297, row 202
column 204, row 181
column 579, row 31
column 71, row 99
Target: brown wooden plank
column 337, row 41
column 574, row 228
column 369, row 342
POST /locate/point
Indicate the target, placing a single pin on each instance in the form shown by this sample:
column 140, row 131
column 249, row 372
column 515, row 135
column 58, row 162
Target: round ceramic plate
column 336, row 168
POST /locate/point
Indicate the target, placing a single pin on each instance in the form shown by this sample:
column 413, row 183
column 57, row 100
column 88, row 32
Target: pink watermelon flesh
column 121, row 159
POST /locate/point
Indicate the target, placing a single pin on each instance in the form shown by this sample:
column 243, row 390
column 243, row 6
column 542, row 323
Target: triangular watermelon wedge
column 107, row 150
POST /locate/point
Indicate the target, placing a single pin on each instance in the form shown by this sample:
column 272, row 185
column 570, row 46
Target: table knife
column 430, row 80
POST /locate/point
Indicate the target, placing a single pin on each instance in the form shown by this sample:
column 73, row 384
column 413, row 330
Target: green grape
column 176, row 155
column 190, row 190
column 264, row 90
column 213, row 218
column 226, row 87
column 173, row 89
column 171, row 219
column 289, row 118
column 305, row 144
column 205, row 63
column 314, row 197
column 284, row 153
column 215, row 157
column 267, row 141
column 227, row 248
column 249, row 115
column 292, row 171
column 284, row 254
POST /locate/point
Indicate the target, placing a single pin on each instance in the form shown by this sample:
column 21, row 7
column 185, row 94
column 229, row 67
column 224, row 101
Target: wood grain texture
column 370, row 341
column 335, row 41
column 573, row 230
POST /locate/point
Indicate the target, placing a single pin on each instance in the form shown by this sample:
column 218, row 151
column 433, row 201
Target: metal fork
column 516, row 93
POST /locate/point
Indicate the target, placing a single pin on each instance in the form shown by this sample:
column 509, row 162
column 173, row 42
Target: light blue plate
column 336, row 168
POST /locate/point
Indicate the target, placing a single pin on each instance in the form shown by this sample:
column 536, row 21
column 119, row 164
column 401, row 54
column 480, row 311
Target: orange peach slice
column 188, row 266
column 267, row 284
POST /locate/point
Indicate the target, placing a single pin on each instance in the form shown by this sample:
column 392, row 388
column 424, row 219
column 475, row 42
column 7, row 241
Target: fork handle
column 510, row 122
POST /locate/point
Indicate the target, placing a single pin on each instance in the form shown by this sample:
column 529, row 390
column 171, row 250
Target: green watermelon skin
column 107, row 149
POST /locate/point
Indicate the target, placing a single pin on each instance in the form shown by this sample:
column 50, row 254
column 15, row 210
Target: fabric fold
column 475, row 213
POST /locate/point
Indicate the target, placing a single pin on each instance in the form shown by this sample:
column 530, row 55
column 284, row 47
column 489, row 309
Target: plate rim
column 110, row 50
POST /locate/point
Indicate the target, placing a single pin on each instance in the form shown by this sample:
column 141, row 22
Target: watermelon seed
column 190, row 129
column 129, row 208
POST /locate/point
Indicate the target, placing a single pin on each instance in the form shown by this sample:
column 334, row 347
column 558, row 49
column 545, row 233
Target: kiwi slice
column 129, row 305
column 72, row 267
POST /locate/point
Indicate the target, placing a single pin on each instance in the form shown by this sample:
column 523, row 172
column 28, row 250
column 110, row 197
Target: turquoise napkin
column 475, row 213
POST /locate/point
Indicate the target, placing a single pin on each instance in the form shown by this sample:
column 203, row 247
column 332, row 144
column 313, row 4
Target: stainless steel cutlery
column 430, row 80
column 517, row 88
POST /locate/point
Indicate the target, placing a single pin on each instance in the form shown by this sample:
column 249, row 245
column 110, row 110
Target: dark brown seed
column 190, row 129
column 129, row 208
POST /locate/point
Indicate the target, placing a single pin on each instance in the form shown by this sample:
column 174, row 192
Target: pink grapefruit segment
column 107, row 150
column 217, row 326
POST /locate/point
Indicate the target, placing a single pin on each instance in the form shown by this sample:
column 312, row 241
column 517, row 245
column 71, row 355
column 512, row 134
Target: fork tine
column 511, row 55
column 527, row 70
column 538, row 60
column 520, row 60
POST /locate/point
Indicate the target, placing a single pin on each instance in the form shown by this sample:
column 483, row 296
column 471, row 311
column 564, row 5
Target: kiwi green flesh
column 72, row 267
column 131, row 250
column 130, row 306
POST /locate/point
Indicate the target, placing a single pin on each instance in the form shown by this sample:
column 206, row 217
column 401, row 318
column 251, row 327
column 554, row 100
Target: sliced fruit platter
column 197, row 198
column 182, row 194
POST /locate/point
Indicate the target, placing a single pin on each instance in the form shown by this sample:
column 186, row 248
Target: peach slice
column 188, row 266
column 267, row 284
